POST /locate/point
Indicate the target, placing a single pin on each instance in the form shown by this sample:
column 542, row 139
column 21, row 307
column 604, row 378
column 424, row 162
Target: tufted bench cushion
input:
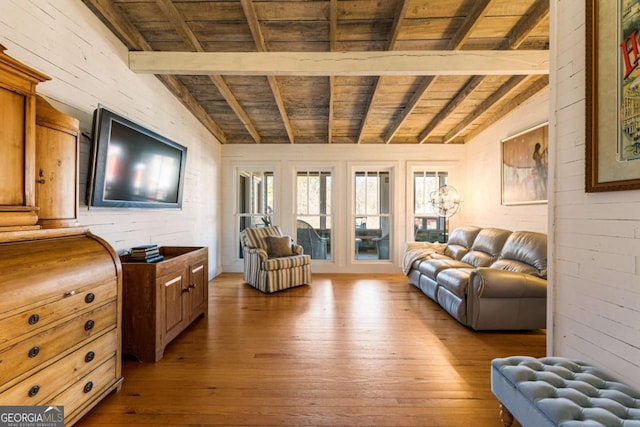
column 554, row 391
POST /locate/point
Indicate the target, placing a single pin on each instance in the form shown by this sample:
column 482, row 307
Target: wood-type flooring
column 348, row 350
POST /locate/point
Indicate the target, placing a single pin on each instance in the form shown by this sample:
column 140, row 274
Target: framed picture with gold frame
column 612, row 157
column 525, row 166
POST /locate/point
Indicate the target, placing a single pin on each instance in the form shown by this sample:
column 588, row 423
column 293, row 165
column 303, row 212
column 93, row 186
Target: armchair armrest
column 261, row 254
column 297, row 249
column 493, row 283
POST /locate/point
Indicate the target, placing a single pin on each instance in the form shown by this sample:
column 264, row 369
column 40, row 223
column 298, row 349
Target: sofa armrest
column 297, row 249
column 493, row 283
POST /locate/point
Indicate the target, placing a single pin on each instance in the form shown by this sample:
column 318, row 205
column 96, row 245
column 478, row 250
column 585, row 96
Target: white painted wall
column 595, row 283
column 88, row 66
column 481, row 185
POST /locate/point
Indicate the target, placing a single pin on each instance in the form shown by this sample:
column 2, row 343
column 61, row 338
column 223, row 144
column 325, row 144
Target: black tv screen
column 134, row 167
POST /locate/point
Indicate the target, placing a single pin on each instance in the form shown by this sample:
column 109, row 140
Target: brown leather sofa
column 486, row 278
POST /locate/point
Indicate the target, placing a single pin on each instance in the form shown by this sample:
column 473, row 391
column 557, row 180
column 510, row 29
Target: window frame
column 391, row 168
column 310, row 168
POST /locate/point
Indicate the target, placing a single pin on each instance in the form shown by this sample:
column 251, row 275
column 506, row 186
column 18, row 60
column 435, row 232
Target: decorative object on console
column 145, row 253
column 446, row 203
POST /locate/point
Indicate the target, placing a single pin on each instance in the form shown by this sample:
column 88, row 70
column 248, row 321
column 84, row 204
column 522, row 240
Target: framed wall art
column 525, row 166
column 612, row 157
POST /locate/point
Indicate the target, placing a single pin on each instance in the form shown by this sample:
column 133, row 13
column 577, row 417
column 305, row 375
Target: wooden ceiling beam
column 333, row 42
column 425, row 83
column 539, row 84
column 463, row 94
column 396, row 63
column 516, row 37
column 254, row 26
column 527, row 24
column 185, row 31
column 131, row 37
column 508, row 87
column 479, row 10
column 401, row 11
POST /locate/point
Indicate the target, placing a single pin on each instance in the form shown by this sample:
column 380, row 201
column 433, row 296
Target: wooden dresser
column 60, row 311
column 161, row 299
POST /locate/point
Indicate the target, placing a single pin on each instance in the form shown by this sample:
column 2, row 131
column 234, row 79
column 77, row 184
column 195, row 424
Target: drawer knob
column 88, row 386
column 89, row 357
column 90, row 298
column 34, row 352
column 89, row 325
column 34, row 390
column 33, row 319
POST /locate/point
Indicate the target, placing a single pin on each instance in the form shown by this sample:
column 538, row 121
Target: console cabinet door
column 197, row 289
column 172, row 287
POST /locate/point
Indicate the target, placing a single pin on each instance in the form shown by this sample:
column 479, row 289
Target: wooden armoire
column 60, row 285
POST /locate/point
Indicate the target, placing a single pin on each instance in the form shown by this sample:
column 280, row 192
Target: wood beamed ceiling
column 339, row 71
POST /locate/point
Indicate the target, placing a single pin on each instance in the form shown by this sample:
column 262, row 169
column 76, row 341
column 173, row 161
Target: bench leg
column 505, row 416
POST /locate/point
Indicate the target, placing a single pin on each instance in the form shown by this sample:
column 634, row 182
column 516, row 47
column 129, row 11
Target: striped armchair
column 268, row 270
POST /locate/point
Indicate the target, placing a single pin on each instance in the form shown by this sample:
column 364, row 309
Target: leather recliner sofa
column 486, row 278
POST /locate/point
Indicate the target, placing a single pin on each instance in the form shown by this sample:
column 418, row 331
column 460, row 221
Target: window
column 427, row 226
column 372, row 214
column 313, row 213
column 255, row 199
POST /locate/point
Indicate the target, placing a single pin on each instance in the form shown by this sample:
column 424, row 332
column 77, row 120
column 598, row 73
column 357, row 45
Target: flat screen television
column 134, row 167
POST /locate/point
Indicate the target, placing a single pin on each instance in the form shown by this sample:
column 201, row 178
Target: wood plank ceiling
column 241, row 107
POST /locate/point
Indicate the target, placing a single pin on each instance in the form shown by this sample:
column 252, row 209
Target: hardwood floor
column 347, row 350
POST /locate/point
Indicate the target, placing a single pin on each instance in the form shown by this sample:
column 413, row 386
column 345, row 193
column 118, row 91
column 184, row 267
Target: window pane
column 313, row 220
column 426, row 224
column 255, row 199
column 372, row 208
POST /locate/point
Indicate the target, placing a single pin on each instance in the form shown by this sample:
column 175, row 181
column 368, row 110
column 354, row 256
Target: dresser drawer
column 43, row 385
column 18, row 326
column 25, row 355
column 88, row 387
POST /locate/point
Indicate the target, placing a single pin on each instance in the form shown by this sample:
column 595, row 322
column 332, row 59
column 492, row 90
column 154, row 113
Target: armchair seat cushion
column 286, row 262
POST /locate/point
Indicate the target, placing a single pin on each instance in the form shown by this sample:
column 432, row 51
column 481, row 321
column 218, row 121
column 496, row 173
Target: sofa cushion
column 524, row 252
column 432, row 267
column 455, row 280
column 486, row 247
column 461, row 240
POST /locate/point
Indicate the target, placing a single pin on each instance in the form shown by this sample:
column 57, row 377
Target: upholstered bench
column 554, row 391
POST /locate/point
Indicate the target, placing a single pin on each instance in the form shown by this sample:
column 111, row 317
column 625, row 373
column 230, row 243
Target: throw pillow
column 278, row 246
